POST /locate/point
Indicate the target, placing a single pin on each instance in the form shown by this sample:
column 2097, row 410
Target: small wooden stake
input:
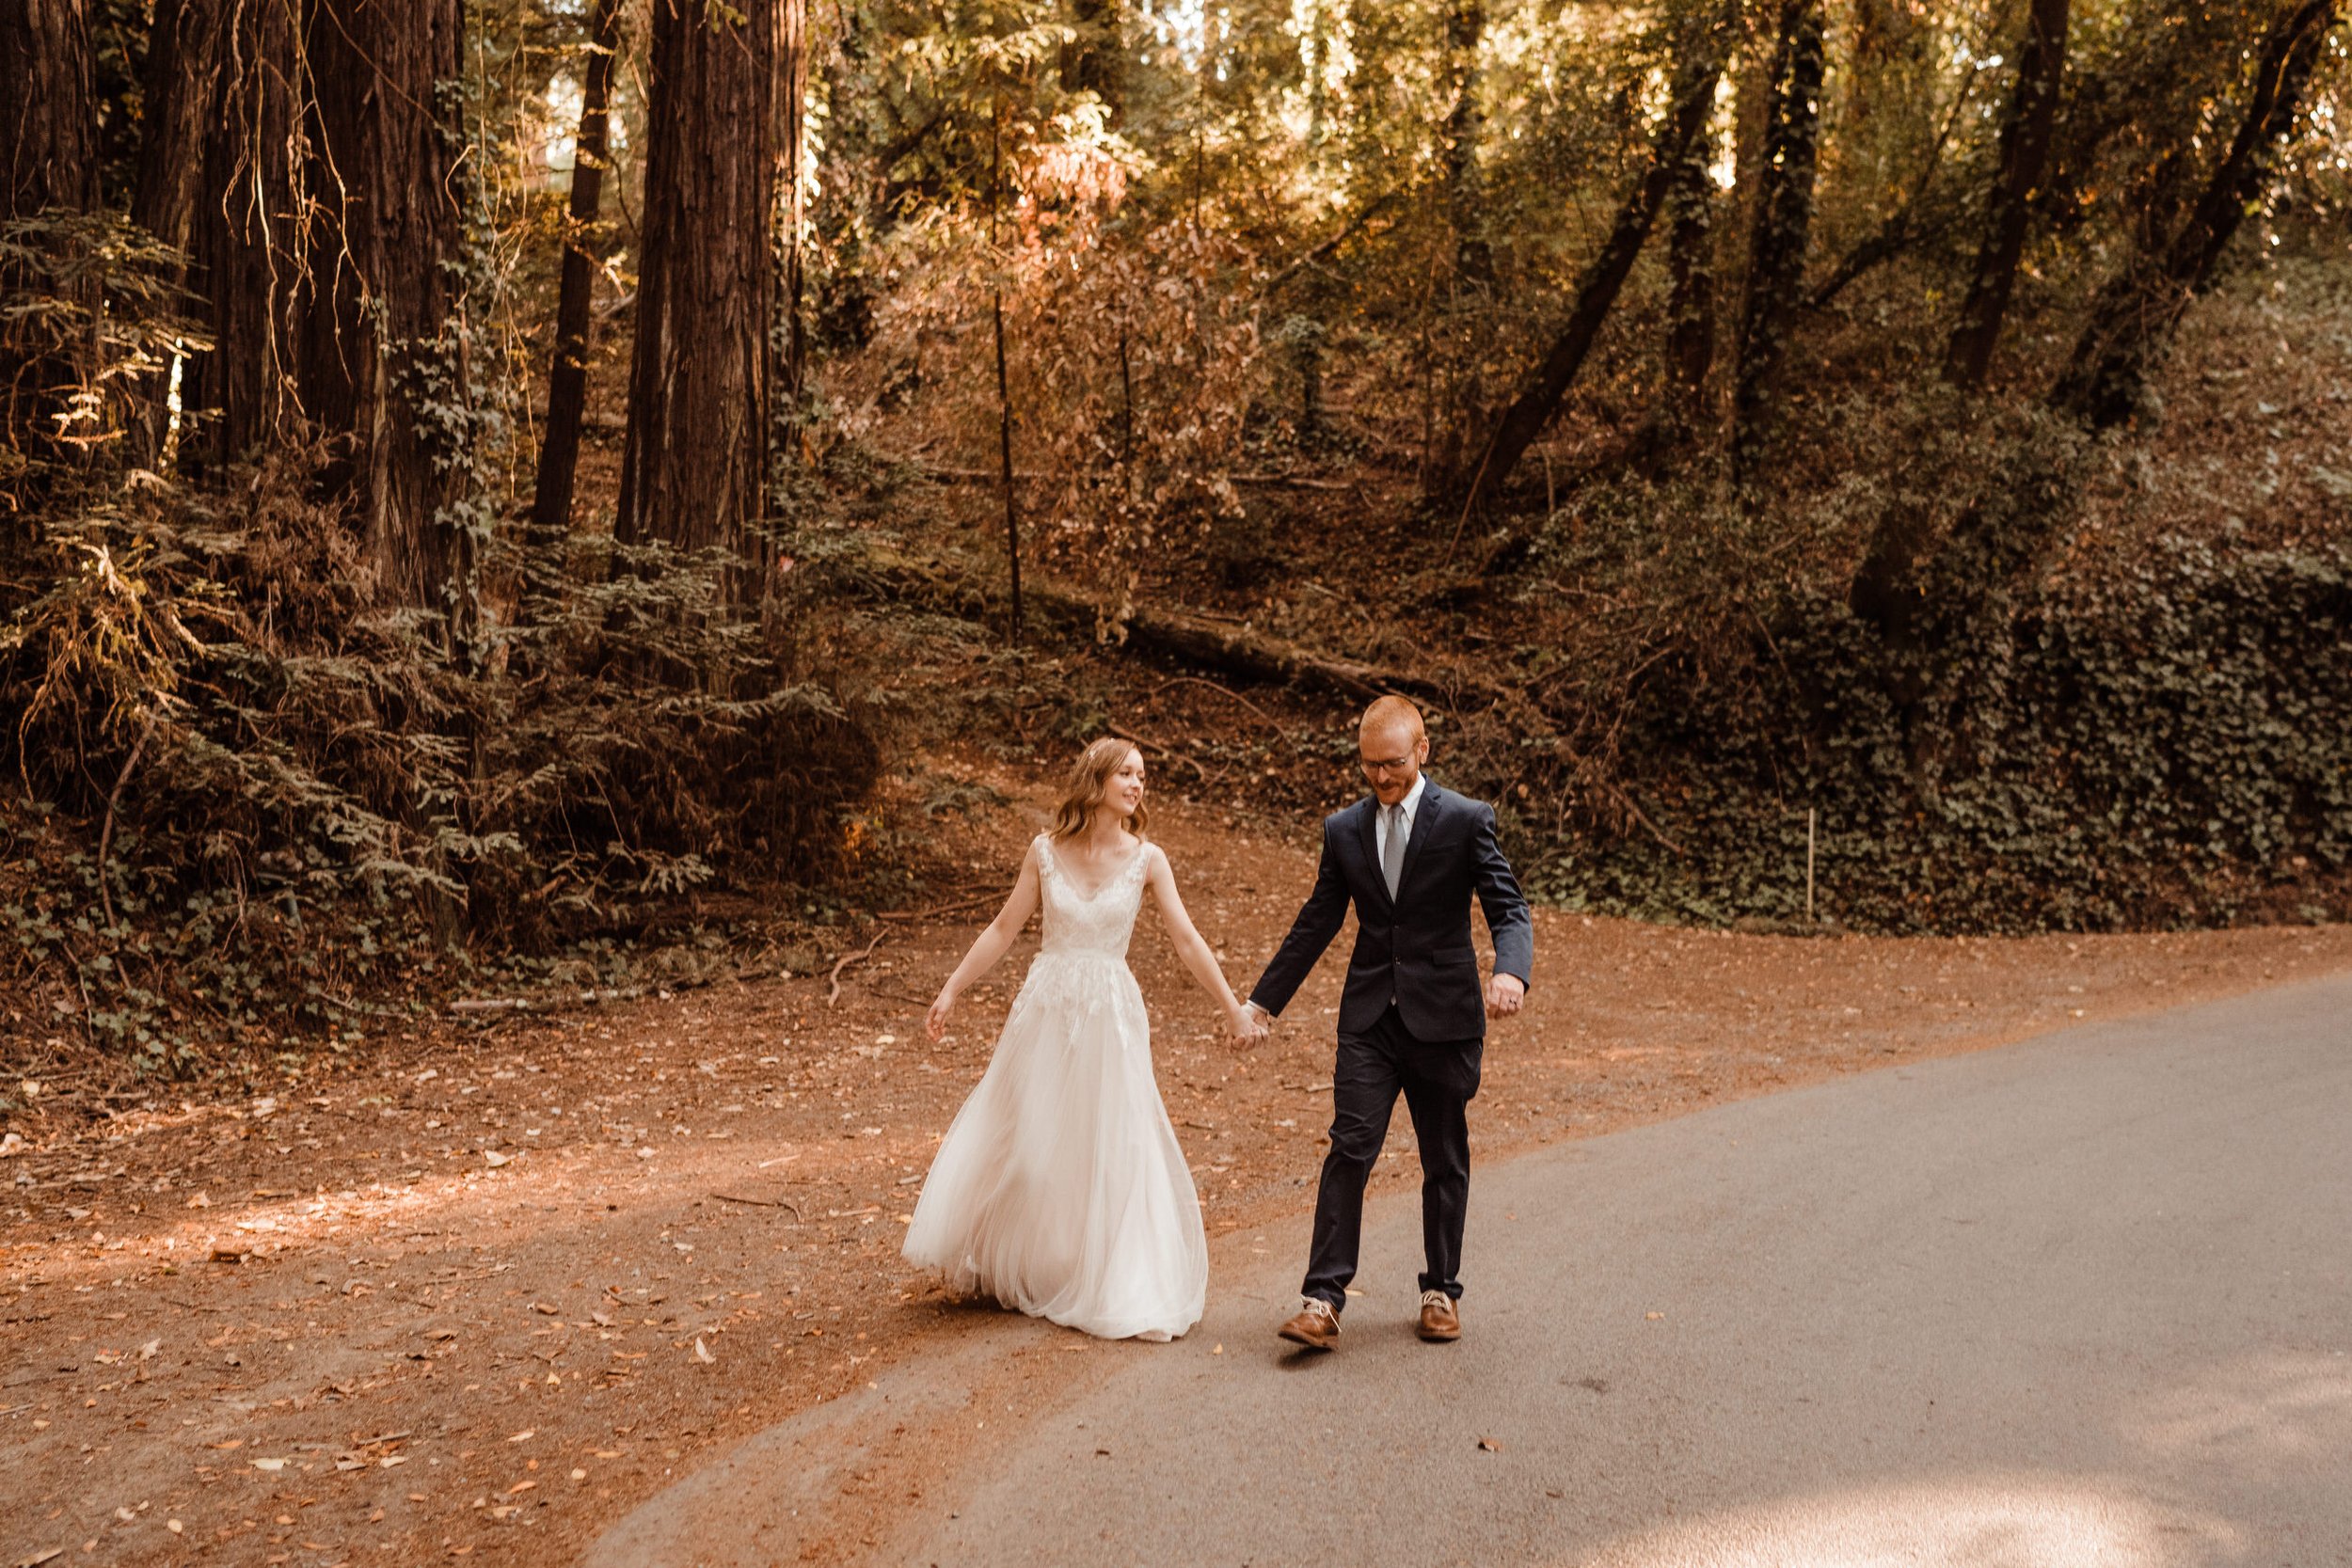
column 1808, row 865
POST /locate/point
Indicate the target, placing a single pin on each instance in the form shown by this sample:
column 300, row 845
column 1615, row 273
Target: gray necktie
column 1392, row 856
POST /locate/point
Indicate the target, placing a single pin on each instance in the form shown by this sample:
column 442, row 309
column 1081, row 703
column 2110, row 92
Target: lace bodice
column 1083, row 920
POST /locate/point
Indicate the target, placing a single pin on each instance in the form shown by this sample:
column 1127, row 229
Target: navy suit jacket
column 1415, row 947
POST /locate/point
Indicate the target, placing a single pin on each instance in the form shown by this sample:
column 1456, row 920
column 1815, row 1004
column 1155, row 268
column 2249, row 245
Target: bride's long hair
column 1090, row 781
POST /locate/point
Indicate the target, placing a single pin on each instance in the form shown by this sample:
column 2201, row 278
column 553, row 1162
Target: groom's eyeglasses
column 1385, row 765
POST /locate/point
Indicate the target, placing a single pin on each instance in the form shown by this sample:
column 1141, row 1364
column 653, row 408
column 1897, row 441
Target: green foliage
column 250, row 802
column 2164, row 743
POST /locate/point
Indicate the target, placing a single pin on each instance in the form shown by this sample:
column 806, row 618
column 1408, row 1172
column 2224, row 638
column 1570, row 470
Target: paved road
column 2079, row 1303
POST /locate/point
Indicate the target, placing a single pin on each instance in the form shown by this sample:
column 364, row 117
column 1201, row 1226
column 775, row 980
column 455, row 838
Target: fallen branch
column 762, row 1202
column 973, row 902
column 832, row 992
column 107, row 833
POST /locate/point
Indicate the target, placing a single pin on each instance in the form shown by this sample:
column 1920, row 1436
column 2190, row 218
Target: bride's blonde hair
column 1090, row 781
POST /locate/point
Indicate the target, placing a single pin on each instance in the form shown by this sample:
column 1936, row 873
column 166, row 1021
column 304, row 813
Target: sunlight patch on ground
column 1971, row 1524
column 2277, row 1406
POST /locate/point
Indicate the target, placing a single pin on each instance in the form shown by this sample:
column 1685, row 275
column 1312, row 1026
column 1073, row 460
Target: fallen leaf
column 541, row 1307
column 147, row 1350
column 579, row 1474
column 174, row 1526
column 703, row 1354
column 1653, row 1317
column 272, row 1465
column 522, row 1486
column 201, row 1200
column 492, row 1158
column 524, row 1435
column 1489, row 1445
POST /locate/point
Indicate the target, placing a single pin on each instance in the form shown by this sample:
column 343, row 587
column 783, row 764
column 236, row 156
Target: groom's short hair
column 1399, row 711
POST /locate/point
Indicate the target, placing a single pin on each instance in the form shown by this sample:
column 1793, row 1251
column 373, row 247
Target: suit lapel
column 1424, row 821
column 1369, row 812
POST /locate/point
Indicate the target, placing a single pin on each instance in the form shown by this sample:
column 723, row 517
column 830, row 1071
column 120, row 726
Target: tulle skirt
column 1059, row 1188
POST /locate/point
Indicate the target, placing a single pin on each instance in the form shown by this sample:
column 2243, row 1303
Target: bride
column 1059, row 1188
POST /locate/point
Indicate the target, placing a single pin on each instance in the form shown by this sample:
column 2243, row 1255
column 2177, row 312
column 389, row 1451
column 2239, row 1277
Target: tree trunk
column 182, row 65
column 2025, row 132
column 1783, row 225
column 1093, row 62
column 1464, row 125
column 49, row 165
column 2134, row 314
column 1690, row 287
column 1693, row 101
column 2021, row 514
column 694, row 464
column 378, row 361
column 792, row 88
column 242, row 241
column 567, row 377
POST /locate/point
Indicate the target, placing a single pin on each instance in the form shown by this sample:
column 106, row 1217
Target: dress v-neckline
column 1105, row 886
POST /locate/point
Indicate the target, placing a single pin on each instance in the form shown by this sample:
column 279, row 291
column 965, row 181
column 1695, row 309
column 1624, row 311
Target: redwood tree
column 695, row 461
column 48, row 166
column 374, row 342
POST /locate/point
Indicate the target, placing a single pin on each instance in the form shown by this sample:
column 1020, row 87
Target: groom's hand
column 1504, row 994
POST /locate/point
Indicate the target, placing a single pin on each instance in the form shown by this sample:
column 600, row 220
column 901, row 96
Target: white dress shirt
column 1380, row 818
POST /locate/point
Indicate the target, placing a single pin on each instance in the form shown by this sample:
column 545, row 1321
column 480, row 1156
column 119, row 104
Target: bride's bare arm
column 1193, row 948
column 989, row 945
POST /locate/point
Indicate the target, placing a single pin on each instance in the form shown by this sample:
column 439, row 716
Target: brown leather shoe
column 1317, row 1326
column 1440, row 1317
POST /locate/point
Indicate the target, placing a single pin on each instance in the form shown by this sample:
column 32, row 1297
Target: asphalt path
column 2077, row 1303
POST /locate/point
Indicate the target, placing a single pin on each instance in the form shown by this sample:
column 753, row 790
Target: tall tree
column 376, row 356
column 1690, row 287
column 2134, row 317
column 1696, row 72
column 1923, row 599
column 567, row 376
column 1465, row 126
column 793, row 90
column 178, row 87
column 2025, row 151
column 48, row 166
column 1781, row 225
column 244, row 239
column 693, row 463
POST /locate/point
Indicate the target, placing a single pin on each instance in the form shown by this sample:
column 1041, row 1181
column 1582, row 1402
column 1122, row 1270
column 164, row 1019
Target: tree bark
column 182, row 65
column 2135, row 315
column 1783, row 225
column 1693, row 101
column 792, row 89
column 243, row 244
column 374, row 346
column 567, row 376
column 2025, row 151
column 48, row 165
column 1465, row 126
column 1690, row 287
column 694, row 464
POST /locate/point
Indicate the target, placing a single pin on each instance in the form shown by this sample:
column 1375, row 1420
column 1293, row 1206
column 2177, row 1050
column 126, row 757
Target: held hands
column 1246, row 1024
column 1504, row 994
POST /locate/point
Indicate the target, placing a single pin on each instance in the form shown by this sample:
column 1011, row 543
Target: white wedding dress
column 1059, row 1188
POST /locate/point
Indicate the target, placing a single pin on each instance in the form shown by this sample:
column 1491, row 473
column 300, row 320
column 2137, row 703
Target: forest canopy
column 490, row 483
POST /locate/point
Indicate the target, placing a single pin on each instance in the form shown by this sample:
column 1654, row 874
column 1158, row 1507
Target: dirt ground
column 481, row 1291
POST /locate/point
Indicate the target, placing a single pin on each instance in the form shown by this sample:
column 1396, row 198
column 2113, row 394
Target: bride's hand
column 935, row 1021
column 1242, row 1020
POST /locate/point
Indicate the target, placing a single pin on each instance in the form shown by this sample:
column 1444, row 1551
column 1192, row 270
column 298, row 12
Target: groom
column 1410, row 859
